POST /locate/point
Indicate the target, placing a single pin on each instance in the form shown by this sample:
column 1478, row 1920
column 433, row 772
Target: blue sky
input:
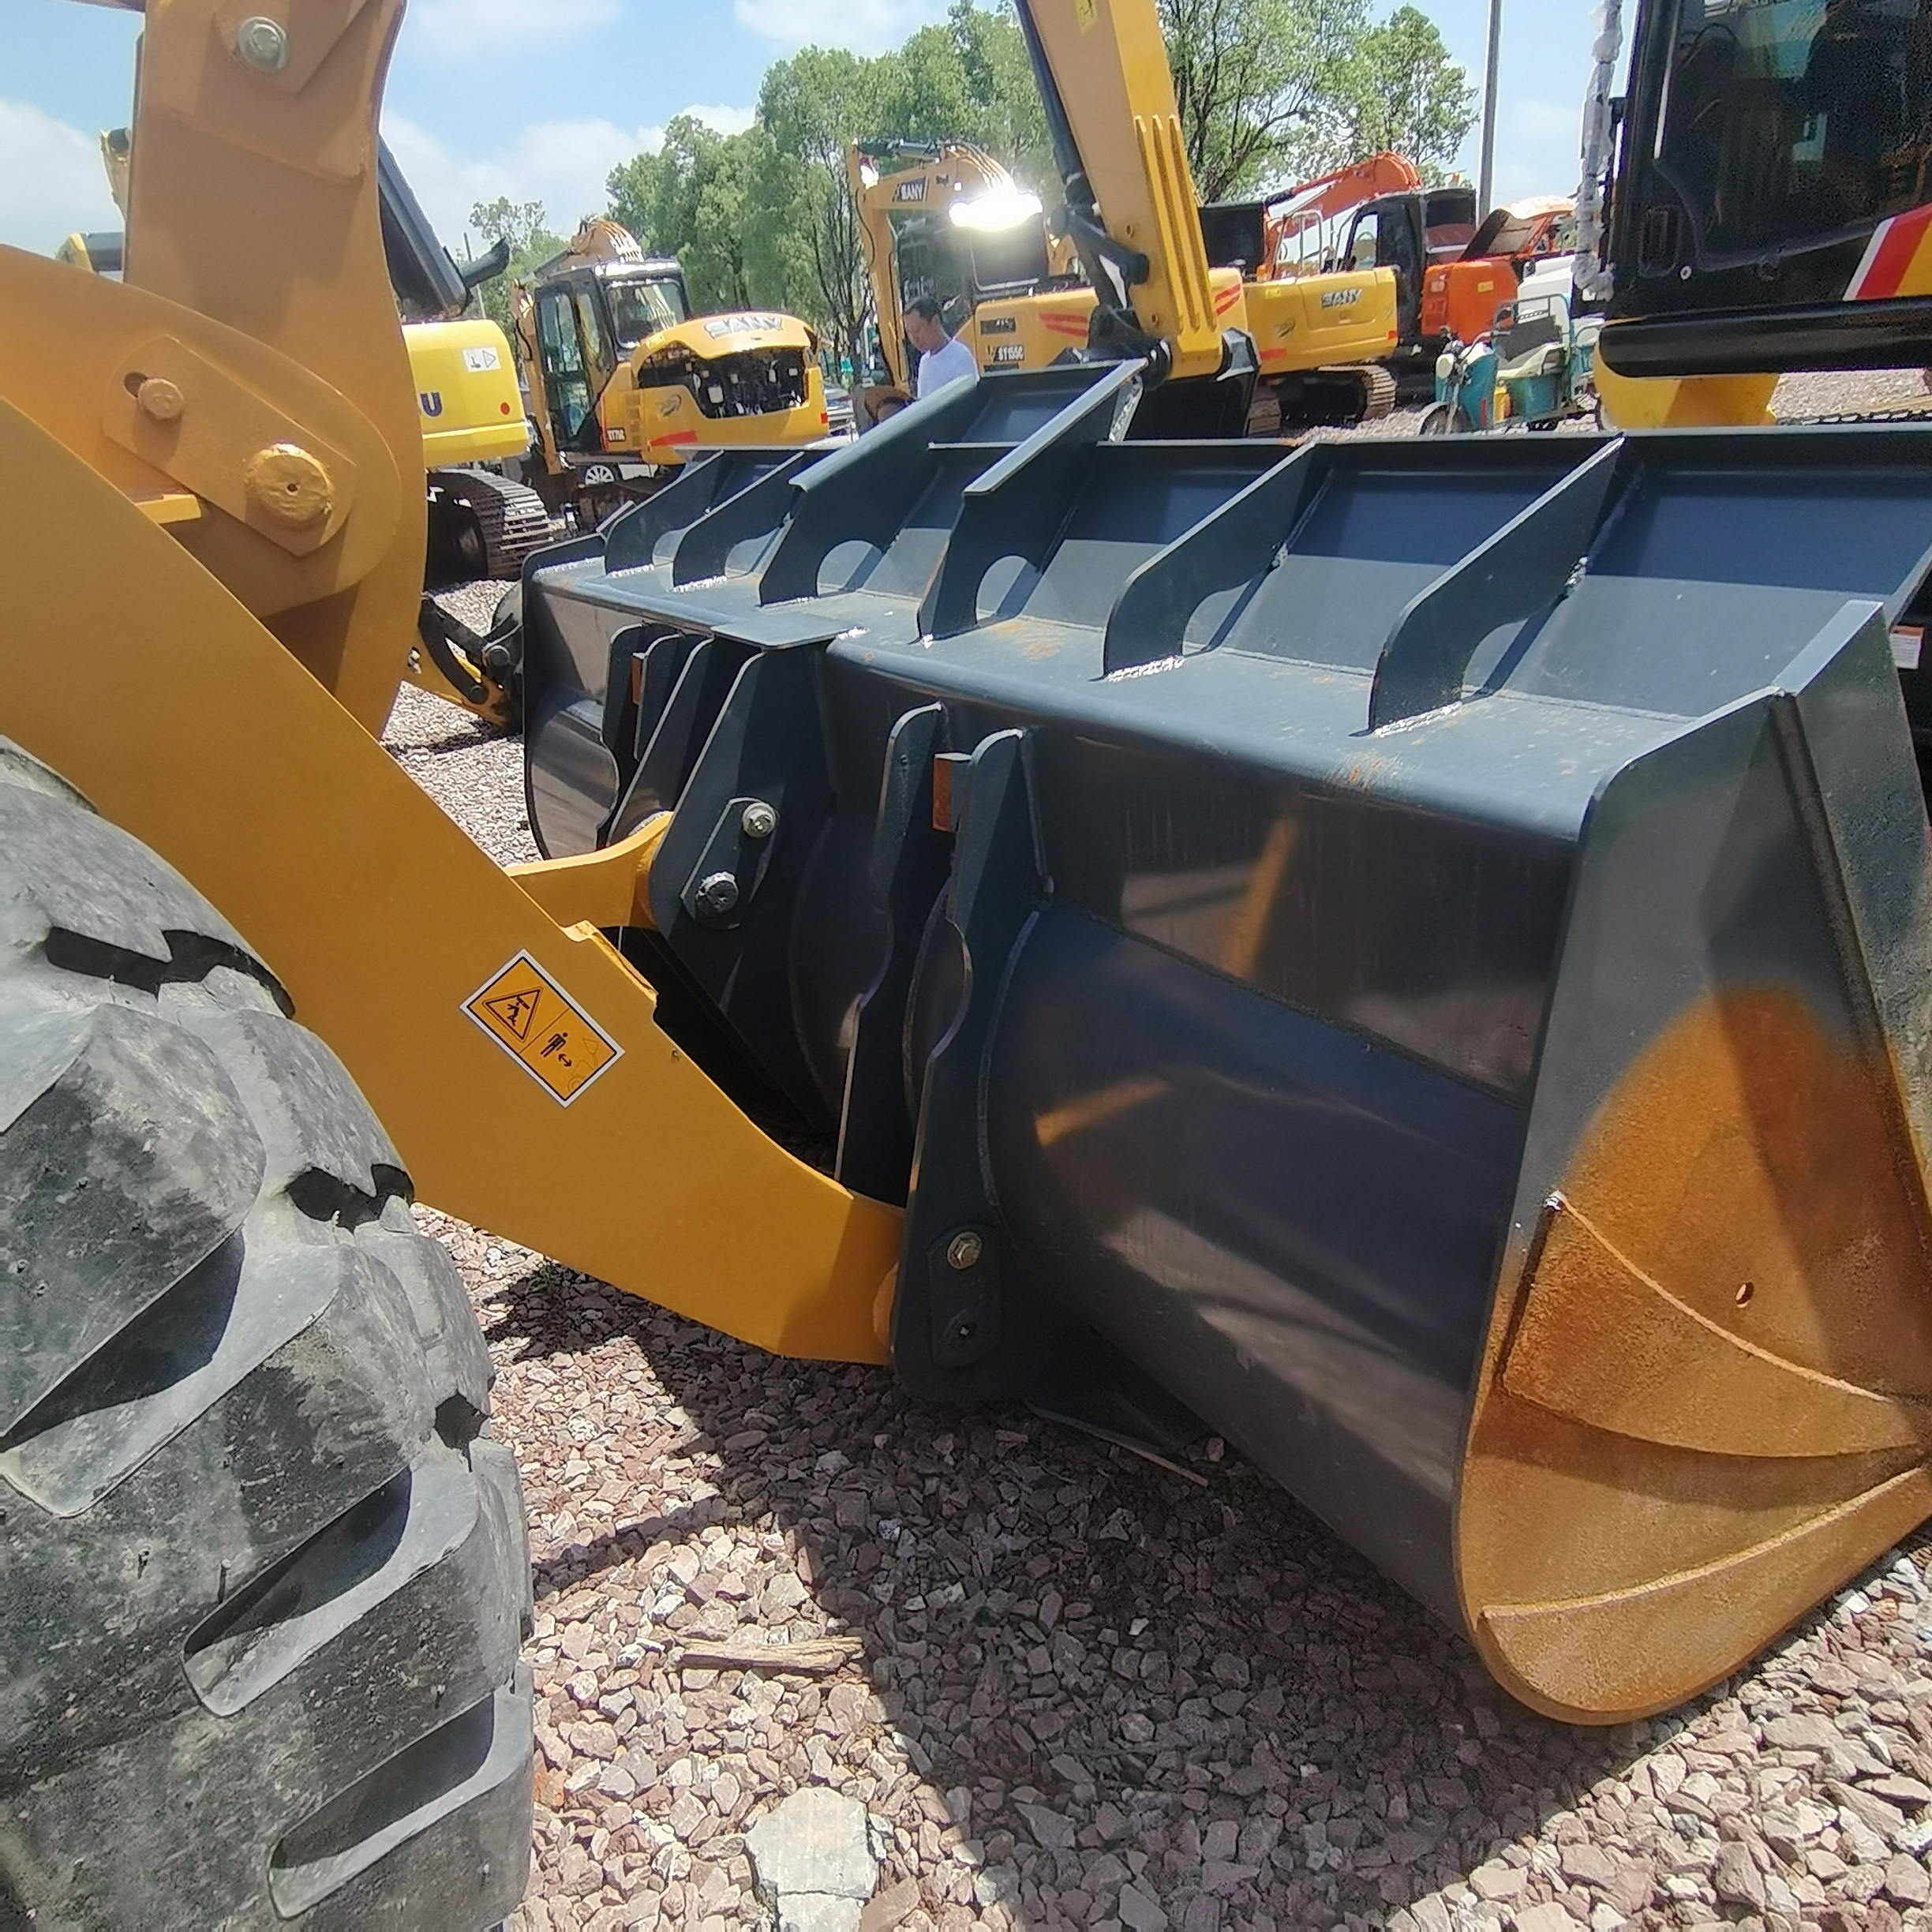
column 539, row 99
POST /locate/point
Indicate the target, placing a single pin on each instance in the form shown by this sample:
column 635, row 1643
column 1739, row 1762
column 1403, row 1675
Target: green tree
column 520, row 223
column 1400, row 91
column 1000, row 84
column 811, row 107
column 698, row 197
column 1261, row 86
column 966, row 79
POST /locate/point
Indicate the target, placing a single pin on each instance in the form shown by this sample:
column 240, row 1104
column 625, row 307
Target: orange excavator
column 1298, row 223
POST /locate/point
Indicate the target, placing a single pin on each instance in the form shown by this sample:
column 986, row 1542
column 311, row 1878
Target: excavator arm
column 1315, row 203
column 1131, row 211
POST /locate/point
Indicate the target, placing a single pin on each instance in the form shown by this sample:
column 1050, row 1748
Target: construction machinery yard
column 1222, row 1146
column 1081, row 1689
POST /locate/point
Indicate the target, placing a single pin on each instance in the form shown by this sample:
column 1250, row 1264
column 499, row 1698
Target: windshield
column 1789, row 119
column 642, row 307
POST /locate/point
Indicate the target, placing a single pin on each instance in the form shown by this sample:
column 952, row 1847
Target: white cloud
column 726, row 120
column 51, row 180
column 563, row 164
column 865, row 26
column 460, row 27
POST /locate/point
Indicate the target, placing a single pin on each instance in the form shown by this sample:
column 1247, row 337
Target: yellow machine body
column 467, row 390
column 620, row 404
column 1317, row 322
column 652, row 405
column 1321, row 321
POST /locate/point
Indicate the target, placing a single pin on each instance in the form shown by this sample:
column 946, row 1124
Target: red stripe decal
column 1894, row 243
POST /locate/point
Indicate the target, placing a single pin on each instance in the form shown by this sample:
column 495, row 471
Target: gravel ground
column 1075, row 1688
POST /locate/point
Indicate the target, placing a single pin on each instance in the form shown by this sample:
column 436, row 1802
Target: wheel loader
column 1411, row 953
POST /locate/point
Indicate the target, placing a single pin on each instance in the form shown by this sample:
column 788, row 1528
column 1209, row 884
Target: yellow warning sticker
column 1084, row 13
column 537, row 1024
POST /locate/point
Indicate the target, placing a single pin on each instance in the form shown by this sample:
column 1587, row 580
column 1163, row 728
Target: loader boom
column 227, row 477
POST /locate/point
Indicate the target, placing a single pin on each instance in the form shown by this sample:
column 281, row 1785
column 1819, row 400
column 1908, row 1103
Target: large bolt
column 759, row 822
column 262, row 44
column 718, row 894
column 159, row 400
column 963, row 1252
column 289, row 485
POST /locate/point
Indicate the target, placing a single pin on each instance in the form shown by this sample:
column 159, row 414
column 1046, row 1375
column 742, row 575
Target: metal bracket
column 730, row 869
column 949, row 1334
column 766, row 755
column 912, row 857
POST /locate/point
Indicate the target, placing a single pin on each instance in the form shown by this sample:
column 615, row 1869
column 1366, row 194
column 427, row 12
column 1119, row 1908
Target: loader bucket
column 735, row 535
column 1416, row 951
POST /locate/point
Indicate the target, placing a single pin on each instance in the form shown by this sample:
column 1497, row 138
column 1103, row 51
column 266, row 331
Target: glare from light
column 1004, row 208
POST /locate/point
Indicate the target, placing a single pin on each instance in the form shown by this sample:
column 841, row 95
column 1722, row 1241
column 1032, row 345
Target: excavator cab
column 1772, row 207
column 1410, row 233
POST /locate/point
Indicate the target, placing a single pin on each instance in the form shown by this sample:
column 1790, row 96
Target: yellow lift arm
column 249, row 477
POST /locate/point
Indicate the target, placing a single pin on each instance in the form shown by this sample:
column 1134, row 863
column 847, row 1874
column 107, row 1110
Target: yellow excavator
column 627, row 386
column 945, row 220
column 1412, row 953
column 1290, row 354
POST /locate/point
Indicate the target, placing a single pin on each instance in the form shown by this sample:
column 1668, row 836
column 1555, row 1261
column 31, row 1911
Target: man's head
column 924, row 330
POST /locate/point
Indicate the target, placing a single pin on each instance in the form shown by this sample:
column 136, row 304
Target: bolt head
column 289, row 485
column 718, row 894
column 262, row 44
column 965, row 1250
column 159, row 400
column 759, row 822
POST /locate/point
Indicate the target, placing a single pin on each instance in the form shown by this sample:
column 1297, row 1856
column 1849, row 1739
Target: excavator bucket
column 1416, row 952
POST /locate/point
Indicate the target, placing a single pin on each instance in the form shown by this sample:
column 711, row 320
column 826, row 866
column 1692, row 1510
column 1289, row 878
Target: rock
column 1906, row 1880
column 897, row 1903
column 811, row 1860
column 1049, row 1828
column 1551, row 1918
column 1139, row 1913
column 1496, row 1882
column 1737, row 1880
column 1586, row 1864
column 1804, row 1730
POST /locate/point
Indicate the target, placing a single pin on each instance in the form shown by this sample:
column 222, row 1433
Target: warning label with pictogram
column 537, row 1024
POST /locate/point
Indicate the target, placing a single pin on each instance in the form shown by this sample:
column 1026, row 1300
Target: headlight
column 1446, row 366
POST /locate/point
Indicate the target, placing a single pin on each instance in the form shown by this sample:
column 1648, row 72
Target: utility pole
column 1486, row 184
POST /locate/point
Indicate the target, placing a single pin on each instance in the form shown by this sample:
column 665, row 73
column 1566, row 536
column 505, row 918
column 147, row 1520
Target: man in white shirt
column 943, row 359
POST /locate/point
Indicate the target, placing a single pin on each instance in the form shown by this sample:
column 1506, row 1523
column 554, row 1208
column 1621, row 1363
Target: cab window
column 562, row 356
column 1789, row 120
column 642, row 307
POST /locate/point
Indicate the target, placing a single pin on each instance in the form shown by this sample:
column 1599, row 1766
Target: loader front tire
column 263, row 1569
